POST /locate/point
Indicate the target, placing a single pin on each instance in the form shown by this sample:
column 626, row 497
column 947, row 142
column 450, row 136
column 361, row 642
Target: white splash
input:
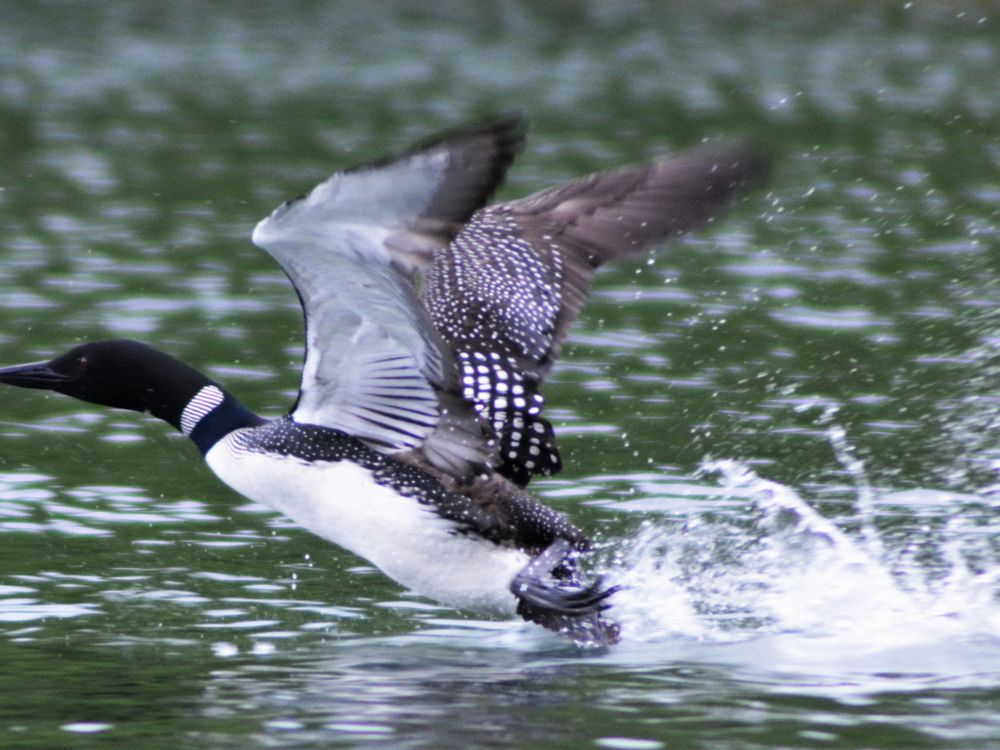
column 798, row 587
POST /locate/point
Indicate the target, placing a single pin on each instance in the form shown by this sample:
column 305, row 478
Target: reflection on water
column 783, row 430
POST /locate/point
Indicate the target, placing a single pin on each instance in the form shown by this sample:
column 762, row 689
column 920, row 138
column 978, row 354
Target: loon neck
column 187, row 399
column 212, row 414
column 178, row 394
column 131, row 375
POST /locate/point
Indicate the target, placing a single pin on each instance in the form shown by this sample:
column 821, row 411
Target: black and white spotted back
column 502, row 327
column 511, row 403
column 504, row 292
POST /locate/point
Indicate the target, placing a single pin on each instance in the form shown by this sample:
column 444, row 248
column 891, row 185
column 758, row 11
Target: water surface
column 783, row 430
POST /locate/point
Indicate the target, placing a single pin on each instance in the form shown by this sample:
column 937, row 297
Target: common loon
column 419, row 417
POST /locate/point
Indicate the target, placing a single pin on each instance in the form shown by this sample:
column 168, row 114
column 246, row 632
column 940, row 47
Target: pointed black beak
column 33, row 375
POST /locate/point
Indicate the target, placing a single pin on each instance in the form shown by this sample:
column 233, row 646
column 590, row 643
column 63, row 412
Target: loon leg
column 565, row 607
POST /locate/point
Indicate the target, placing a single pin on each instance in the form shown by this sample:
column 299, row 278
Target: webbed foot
column 560, row 604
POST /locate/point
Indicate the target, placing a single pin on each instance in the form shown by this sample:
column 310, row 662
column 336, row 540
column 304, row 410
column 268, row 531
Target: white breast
column 341, row 502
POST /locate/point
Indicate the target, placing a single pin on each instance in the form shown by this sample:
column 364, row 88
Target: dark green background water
column 833, row 343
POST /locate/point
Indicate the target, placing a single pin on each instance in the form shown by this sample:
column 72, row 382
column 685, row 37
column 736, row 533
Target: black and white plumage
column 408, row 402
column 375, row 366
column 506, row 290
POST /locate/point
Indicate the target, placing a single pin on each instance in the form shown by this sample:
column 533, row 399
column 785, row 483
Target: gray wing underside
column 505, row 291
column 375, row 367
column 407, row 206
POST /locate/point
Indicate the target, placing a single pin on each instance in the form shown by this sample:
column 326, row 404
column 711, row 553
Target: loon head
column 119, row 373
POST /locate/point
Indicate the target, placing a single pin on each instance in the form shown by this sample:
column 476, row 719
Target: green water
column 832, row 344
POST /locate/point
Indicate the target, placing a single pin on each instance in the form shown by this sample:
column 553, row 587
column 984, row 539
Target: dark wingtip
column 740, row 163
column 494, row 143
column 751, row 160
column 480, row 154
column 508, row 129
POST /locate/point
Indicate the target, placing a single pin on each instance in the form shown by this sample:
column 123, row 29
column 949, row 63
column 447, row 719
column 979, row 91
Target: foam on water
column 801, row 594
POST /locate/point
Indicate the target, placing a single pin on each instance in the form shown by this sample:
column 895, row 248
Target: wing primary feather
column 375, row 366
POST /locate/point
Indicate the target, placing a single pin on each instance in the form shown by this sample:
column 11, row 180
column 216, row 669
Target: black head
column 119, row 373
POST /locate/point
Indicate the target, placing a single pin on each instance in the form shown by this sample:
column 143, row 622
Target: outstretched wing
column 506, row 290
column 375, row 367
